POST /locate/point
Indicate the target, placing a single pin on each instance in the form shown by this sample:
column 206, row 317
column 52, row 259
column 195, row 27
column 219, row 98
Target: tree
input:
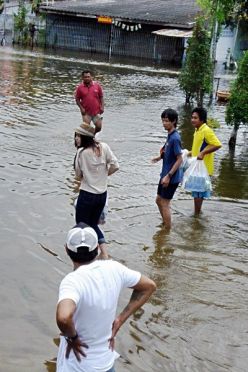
column 20, row 23
column 225, row 11
column 1, row 6
column 237, row 108
column 195, row 77
column 219, row 12
column 36, row 6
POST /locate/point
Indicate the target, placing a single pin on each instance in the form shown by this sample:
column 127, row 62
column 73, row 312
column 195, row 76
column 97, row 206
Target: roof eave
column 46, row 10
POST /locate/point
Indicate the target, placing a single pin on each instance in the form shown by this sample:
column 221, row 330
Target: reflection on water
column 200, row 267
column 161, row 255
column 233, row 177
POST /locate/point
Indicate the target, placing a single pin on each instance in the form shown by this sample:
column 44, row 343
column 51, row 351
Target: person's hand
column 115, row 328
column 76, row 346
column 83, row 111
column 155, row 160
column 101, row 110
column 165, row 181
column 200, row 156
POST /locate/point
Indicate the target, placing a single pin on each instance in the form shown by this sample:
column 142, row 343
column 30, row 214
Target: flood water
column 197, row 320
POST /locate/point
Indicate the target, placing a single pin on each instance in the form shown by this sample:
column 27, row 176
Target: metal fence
column 88, row 35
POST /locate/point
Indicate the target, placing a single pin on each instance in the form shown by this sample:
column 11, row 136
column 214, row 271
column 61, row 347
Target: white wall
column 226, row 40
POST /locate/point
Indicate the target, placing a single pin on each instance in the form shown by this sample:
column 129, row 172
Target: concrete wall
column 226, row 40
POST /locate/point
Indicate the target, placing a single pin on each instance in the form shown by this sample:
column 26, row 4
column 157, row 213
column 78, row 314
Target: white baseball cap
column 81, row 236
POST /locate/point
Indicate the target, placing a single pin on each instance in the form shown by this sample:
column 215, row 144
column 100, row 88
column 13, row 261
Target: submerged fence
column 88, row 35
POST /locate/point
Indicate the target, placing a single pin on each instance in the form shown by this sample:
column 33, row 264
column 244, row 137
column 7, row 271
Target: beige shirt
column 94, row 170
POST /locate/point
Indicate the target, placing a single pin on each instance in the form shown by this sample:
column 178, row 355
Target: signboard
column 106, row 20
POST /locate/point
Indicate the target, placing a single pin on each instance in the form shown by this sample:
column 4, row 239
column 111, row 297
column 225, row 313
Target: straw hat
column 85, row 129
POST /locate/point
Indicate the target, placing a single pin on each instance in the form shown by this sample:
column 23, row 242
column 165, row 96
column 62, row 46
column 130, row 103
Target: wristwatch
column 71, row 339
column 169, row 174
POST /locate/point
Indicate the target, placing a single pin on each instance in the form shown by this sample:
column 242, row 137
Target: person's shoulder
column 97, row 85
column 95, row 82
column 104, row 146
column 205, row 127
column 117, row 266
column 69, row 278
column 207, row 130
column 80, row 85
column 176, row 136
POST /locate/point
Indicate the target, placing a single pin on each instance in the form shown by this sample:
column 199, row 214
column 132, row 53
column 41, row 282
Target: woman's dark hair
column 86, row 141
column 83, row 255
column 170, row 114
column 202, row 113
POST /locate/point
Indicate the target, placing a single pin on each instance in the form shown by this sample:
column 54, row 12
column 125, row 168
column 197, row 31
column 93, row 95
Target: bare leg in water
column 198, row 205
column 103, row 252
column 164, row 209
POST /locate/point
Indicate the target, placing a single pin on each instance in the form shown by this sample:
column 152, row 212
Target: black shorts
column 167, row 192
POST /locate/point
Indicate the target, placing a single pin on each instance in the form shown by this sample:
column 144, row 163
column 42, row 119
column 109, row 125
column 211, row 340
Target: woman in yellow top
column 205, row 143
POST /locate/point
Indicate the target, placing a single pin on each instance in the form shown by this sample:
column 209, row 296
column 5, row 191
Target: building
column 142, row 29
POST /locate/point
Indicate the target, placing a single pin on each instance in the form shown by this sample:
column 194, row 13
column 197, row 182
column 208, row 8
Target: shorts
column 96, row 118
column 167, row 192
column 202, row 195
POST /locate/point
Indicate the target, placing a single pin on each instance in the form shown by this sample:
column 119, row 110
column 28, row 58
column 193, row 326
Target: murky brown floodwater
column 197, row 320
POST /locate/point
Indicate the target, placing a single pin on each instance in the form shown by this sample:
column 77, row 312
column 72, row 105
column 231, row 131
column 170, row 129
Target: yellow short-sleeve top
column 204, row 136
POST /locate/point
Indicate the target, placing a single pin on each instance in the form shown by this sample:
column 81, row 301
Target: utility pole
column 214, row 33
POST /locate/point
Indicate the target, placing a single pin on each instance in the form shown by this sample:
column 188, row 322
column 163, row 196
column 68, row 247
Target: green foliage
column 213, row 123
column 20, row 25
column 195, row 78
column 225, row 11
column 36, row 6
column 237, row 108
column 20, row 22
column 1, row 6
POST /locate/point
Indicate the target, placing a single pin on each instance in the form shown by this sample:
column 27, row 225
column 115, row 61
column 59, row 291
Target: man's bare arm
column 80, row 105
column 141, row 293
column 64, row 318
column 208, row 149
column 102, row 104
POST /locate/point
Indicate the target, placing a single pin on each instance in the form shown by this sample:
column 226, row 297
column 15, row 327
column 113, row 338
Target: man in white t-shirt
column 88, row 298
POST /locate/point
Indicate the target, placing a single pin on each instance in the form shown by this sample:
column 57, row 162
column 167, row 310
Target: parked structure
column 122, row 29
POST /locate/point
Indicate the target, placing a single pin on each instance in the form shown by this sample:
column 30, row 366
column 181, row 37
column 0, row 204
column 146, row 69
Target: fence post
column 110, row 42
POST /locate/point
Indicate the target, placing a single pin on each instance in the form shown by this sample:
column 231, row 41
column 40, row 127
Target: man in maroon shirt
column 89, row 98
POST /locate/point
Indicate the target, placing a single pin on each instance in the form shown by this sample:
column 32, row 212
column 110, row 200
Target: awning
column 173, row 33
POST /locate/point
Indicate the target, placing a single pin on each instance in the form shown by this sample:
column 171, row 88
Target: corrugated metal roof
column 173, row 33
column 163, row 12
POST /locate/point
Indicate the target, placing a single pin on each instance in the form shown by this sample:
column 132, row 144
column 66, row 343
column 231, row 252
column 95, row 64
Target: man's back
column 95, row 289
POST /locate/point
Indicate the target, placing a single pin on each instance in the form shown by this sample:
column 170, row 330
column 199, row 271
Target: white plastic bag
column 196, row 177
column 186, row 160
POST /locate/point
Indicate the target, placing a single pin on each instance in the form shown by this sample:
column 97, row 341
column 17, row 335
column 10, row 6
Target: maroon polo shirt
column 90, row 97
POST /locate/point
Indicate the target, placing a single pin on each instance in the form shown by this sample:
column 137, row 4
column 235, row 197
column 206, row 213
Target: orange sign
column 104, row 20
